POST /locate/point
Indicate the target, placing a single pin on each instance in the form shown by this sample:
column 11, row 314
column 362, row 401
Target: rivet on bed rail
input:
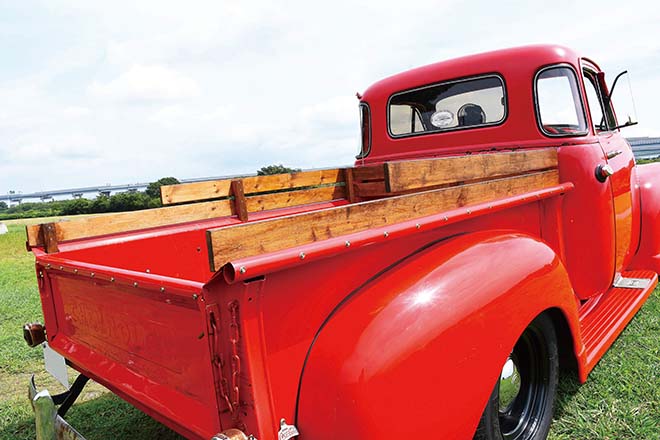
column 242, row 269
column 386, row 234
column 135, row 284
column 302, row 255
column 348, row 243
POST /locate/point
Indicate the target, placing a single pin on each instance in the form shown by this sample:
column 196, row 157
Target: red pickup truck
column 494, row 227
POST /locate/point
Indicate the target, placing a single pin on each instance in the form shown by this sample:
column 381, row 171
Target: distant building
column 645, row 147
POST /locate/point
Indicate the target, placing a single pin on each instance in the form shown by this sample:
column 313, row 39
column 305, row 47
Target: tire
column 527, row 413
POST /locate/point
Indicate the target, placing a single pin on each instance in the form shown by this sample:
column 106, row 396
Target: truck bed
column 145, row 307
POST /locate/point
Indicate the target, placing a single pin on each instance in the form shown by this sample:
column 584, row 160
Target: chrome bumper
column 50, row 426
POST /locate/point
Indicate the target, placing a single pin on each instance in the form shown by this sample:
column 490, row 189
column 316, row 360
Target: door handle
column 613, row 153
column 603, row 172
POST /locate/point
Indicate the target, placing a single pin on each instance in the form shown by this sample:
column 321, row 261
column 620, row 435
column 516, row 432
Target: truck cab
column 530, row 97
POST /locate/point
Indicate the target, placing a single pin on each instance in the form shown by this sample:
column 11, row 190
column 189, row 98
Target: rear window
column 558, row 101
column 365, row 131
column 452, row 105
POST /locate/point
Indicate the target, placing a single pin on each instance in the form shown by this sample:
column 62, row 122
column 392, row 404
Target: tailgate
column 143, row 336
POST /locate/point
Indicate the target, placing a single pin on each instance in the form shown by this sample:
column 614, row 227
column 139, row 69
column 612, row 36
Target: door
column 619, row 156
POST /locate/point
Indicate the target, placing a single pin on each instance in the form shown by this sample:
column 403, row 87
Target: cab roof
column 533, row 56
column 516, row 66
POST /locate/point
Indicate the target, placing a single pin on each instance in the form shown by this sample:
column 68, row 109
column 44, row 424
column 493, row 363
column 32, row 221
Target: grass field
column 98, row 414
column 621, row 400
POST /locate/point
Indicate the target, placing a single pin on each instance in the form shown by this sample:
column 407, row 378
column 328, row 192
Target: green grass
column 643, row 161
column 621, row 399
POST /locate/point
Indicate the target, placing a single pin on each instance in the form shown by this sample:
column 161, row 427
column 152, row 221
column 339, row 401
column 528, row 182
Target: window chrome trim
column 536, row 101
column 454, row 81
column 364, row 153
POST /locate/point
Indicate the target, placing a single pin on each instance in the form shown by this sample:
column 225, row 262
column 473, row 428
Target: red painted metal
column 588, row 220
column 430, row 319
column 648, row 183
column 397, row 335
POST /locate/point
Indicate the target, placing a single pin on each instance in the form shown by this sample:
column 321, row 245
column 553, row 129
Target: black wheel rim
column 520, row 420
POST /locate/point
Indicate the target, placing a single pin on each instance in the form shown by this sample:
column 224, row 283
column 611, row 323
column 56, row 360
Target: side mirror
column 623, row 102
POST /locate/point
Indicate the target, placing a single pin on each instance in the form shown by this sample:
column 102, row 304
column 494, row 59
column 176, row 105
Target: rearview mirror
column 623, row 101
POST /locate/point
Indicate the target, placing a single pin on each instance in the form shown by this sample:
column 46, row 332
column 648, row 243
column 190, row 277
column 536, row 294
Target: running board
column 601, row 323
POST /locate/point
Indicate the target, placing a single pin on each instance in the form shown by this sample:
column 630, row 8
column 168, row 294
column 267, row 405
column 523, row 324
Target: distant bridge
column 18, row 197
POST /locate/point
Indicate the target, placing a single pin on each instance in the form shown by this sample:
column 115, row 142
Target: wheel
column 521, row 404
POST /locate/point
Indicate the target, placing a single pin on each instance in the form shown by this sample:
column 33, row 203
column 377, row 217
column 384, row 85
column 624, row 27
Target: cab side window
column 559, row 105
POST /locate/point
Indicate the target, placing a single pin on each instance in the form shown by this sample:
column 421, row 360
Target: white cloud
column 336, row 110
column 146, row 83
column 75, row 112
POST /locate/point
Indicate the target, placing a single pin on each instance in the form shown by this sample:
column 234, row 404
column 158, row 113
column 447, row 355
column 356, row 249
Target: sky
column 130, row 91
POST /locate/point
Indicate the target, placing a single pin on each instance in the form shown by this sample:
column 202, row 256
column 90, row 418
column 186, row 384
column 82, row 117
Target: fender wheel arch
column 525, row 414
column 565, row 340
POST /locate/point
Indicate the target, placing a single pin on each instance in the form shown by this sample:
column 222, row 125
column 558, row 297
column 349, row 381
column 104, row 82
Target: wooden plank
column 371, row 189
column 131, row 221
column 34, row 236
column 368, row 173
column 49, row 237
column 239, row 200
column 240, row 241
column 350, row 185
column 293, row 198
column 188, row 192
column 414, row 174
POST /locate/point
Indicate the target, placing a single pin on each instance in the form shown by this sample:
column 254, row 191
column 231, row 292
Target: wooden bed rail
column 245, row 240
column 427, row 173
column 239, row 197
column 48, row 235
column 216, row 189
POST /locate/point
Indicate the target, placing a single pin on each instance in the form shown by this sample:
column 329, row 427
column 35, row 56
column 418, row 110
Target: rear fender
column 648, row 253
column 417, row 350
